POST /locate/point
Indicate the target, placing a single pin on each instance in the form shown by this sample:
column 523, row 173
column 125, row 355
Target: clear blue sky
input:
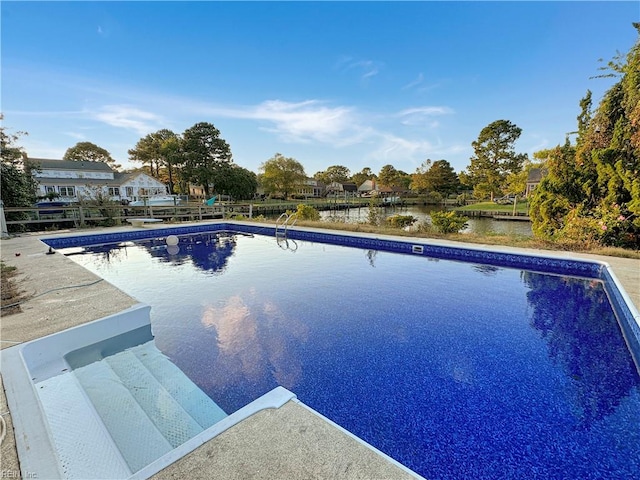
column 360, row 84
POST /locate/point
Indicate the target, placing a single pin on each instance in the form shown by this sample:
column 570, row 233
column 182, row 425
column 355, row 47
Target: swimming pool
column 488, row 365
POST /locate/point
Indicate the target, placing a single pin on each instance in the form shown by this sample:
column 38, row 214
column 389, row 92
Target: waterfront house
column 73, row 181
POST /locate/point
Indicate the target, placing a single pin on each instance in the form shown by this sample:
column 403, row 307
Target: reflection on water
column 209, row 252
column 583, row 337
column 247, row 346
column 454, row 369
column 475, row 225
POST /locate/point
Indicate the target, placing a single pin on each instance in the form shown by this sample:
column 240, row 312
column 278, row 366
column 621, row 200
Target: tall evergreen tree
column 592, row 190
column 89, row 152
column 204, row 151
column 438, row 176
column 494, row 158
column 160, row 151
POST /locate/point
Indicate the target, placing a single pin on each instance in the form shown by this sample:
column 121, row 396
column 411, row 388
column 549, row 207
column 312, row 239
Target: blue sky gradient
column 360, row 84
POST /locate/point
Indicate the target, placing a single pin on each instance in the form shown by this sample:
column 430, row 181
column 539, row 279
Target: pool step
column 84, row 447
column 136, row 436
column 146, row 404
column 195, row 402
column 173, row 422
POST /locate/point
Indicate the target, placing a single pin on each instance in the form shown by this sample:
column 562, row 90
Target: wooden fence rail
column 18, row 218
column 80, row 215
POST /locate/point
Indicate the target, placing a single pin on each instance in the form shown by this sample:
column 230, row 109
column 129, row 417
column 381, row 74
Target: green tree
column 89, row 152
column 172, row 157
column 18, row 188
column 238, row 182
column 389, row 176
column 204, row 152
column 162, row 152
column 592, row 190
column 335, row 173
column 494, row 158
column 438, row 176
column 281, row 174
column 146, row 152
column 558, row 190
column 403, row 180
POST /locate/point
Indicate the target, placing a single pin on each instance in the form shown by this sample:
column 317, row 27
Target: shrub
column 606, row 225
column 401, row 221
column 307, row 212
column 373, row 217
column 448, row 222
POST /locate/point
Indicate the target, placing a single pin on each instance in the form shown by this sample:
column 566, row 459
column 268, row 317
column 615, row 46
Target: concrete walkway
column 290, row 442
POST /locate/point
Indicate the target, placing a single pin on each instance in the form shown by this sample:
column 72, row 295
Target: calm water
column 475, row 225
column 456, row 370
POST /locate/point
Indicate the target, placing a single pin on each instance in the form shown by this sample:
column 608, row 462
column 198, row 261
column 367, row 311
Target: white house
column 75, row 180
column 310, row 188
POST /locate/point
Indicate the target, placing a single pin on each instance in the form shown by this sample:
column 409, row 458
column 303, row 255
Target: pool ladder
column 282, row 223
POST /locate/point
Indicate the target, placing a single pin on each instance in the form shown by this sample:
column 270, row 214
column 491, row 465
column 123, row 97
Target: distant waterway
column 475, row 225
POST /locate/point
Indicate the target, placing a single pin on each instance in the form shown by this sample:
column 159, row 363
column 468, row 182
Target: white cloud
column 128, row 117
column 315, row 121
column 76, row 135
column 394, row 148
column 423, row 115
column 414, row 83
column 419, row 85
column 306, row 121
column 369, row 68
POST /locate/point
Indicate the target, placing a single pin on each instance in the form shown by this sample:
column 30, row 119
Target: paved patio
column 290, row 442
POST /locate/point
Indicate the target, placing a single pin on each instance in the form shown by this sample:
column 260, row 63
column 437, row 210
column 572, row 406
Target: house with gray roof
column 74, row 181
column 533, row 179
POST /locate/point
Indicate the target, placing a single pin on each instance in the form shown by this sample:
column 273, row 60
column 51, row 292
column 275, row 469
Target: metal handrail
column 285, row 223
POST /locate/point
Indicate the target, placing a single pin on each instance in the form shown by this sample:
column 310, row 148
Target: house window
column 67, row 191
column 51, row 189
column 114, row 191
column 129, row 191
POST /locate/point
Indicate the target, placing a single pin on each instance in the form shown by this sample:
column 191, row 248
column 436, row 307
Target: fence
column 86, row 215
column 43, row 218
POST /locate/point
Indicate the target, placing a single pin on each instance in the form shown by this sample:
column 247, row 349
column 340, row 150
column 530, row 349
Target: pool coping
column 606, row 270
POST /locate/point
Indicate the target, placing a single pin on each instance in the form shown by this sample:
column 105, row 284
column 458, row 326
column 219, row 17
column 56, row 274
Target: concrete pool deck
column 290, row 442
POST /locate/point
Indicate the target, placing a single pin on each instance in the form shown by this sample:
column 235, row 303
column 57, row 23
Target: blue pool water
column 456, row 370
